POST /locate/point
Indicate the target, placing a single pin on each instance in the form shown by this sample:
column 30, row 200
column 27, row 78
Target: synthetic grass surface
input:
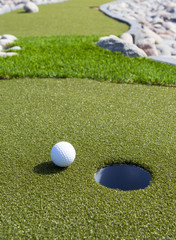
column 73, row 17
column 106, row 123
column 76, row 56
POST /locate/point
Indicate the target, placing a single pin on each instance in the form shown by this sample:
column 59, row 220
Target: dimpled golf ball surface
column 63, row 154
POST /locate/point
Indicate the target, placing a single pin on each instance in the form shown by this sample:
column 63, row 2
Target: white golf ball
column 63, row 154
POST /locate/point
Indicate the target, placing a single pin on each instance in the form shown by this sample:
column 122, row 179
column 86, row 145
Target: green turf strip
column 73, row 17
column 79, row 57
column 106, row 123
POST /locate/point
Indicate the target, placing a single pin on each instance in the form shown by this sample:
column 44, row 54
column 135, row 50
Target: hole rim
column 142, row 166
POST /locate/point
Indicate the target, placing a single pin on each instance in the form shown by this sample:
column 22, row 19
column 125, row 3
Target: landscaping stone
column 31, row 7
column 173, row 53
column 5, row 42
column 2, row 54
column 174, row 45
column 16, row 48
column 127, row 37
column 8, row 37
column 149, row 48
column 116, row 44
column 164, row 49
column 7, row 54
column 144, row 41
column 10, row 54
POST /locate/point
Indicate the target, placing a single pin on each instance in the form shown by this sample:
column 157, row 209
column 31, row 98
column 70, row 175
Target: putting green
column 73, row 17
column 106, row 123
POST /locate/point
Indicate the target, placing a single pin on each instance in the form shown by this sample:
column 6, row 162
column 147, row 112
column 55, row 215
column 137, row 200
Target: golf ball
column 63, row 154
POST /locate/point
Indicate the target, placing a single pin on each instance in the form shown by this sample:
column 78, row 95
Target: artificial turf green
column 79, row 57
column 73, row 17
column 106, row 123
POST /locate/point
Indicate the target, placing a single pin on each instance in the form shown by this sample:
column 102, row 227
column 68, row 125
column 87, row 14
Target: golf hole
column 123, row 176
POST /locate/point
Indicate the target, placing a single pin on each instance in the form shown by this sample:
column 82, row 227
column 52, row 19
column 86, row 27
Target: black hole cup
column 123, row 176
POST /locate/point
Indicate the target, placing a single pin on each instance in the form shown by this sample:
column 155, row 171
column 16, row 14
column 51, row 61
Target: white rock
column 150, row 34
column 3, row 54
column 5, row 42
column 127, row 37
column 11, row 54
column 149, row 49
column 110, row 7
column 144, row 41
column 15, row 48
column 170, row 5
column 161, row 31
column 158, row 27
column 174, row 45
column 6, row 8
column 170, row 26
column 164, row 49
column 166, row 37
column 121, row 5
column 8, row 37
column 157, row 20
column 116, row 44
column 143, row 21
column 173, row 53
column 31, row 7
column 1, row 48
column 8, row 54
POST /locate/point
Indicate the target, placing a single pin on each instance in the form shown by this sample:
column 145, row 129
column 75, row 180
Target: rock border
column 135, row 27
column 135, row 31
